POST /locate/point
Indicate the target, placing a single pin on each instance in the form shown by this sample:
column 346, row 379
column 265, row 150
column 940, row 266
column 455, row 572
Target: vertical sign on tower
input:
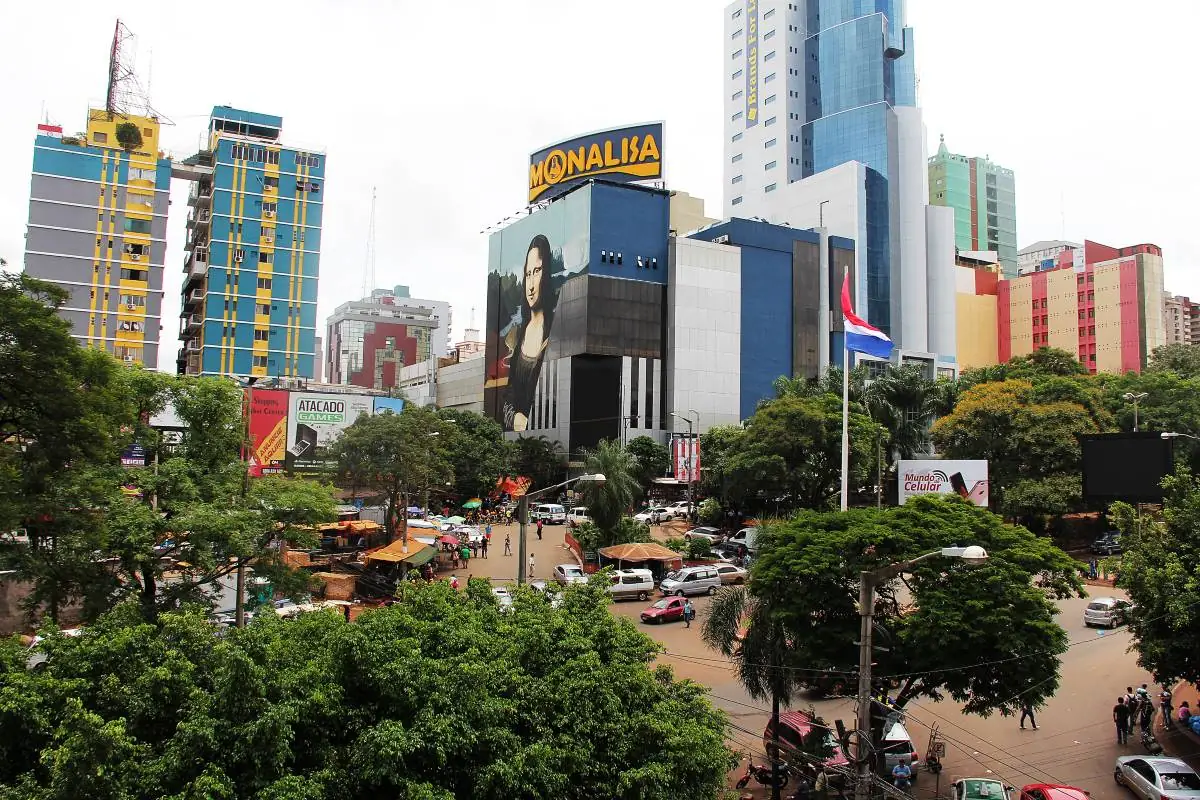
column 751, row 63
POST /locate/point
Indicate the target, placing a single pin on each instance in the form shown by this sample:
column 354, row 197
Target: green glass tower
column 983, row 196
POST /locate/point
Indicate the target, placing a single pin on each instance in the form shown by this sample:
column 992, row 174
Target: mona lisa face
column 533, row 278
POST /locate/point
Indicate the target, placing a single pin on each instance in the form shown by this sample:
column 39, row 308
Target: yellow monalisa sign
column 623, row 155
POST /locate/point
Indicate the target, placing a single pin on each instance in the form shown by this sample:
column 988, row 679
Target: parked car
column 732, row 575
column 577, row 516
column 552, row 594
column 691, row 580
column 705, row 532
column 503, row 598
column 630, row 583
column 1157, row 778
column 1053, row 791
column 1105, row 612
column 978, row 789
column 566, row 574
column 665, row 610
column 747, row 537
column 678, row 509
column 653, row 516
column 796, row 729
column 728, row 551
column 548, row 513
column 1108, row 544
column 897, row 744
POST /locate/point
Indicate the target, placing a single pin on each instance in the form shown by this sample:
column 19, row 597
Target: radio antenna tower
column 125, row 94
column 369, row 266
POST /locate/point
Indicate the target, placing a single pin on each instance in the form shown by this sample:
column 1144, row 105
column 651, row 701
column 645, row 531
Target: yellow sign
column 622, row 155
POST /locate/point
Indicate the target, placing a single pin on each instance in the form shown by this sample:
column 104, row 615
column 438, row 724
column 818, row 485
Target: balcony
column 196, row 265
column 189, row 323
column 194, row 296
column 199, row 220
column 200, row 195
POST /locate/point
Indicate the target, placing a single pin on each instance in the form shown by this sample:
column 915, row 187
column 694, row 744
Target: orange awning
column 394, row 552
column 640, row 551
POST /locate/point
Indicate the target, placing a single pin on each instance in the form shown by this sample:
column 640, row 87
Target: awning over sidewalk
column 417, row 554
column 639, row 551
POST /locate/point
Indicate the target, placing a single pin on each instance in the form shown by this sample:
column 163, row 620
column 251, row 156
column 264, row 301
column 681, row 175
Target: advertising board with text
column 619, row 155
column 314, row 422
column 685, row 458
column 268, row 430
column 967, row 479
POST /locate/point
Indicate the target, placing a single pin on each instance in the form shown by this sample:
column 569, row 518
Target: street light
column 1135, row 398
column 687, row 462
column 523, row 514
column 867, row 581
column 1174, row 435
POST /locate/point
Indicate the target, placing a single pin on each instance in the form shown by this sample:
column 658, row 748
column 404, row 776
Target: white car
column 1157, row 778
column 1105, row 612
column 653, row 516
column 503, row 598
column 566, row 574
column 678, row 510
column 705, row 532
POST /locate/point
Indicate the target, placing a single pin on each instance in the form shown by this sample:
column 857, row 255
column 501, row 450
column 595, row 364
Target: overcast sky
column 439, row 104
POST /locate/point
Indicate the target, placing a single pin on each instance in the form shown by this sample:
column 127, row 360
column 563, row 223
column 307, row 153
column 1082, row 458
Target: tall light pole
column 867, row 581
column 523, row 515
column 1135, row 398
column 687, row 462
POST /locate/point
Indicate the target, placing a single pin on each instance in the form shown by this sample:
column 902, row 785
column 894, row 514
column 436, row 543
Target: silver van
column 628, row 584
column 549, row 514
column 691, row 580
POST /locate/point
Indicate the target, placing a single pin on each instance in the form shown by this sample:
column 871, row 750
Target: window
column 769, row 35
column 268, row 234
column 1043, row 320
column 736, row 179
column 737, row 95
column 770, row 99
column 239, row 152
column 135, row 300
column 736, row 137
column 1091, row 313
column 269, row 208
column 137, row 225
column 271, row 182
column 262, row 308
column 768, row 15
column 769, row 143
column 735, row 75
column 133, row 274
column 147, row 132
column 141, row 174
column 737, row 54
column 264, row 258
column 308, row 186
column 769, row 56
column 770, row 187
column 131, row 326
column 1091, row 330
column 261, row 336
column 308, row 160
column 100, row 138
column 770, row 121
column 769, row 78
column 737, row 33
column 264, row 283
column 736, row 158
column 737, row 13
column 239, row 255
column 769, row 165
column 273, row 157
column 736, row 117
column 736, row 201
column 259, row 362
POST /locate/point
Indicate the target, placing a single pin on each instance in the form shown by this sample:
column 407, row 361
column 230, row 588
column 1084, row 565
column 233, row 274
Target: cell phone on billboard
column 959, row 484
column 306, row 439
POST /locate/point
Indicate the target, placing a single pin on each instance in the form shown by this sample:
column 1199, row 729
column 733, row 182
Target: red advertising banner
column 268, row 430
column 685, row 458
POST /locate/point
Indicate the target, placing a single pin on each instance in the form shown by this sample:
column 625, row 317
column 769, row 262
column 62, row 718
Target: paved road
column 1075, row 743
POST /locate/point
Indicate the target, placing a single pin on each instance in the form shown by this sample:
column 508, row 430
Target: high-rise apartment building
column 822, row 130
column 370, row 340
column 98, row 229
column 1181, row 319
column 254, row 249
column 983, row 196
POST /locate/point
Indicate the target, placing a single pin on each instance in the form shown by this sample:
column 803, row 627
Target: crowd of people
column 1136, row 709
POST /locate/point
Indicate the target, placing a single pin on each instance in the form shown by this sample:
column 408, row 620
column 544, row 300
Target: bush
column 699, row 548
column 677, row 544
column 711, row 513
column 129, row 136
column 591, row 537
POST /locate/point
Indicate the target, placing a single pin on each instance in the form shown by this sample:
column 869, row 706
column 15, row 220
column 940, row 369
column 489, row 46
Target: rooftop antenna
column 124, row 92
column 369, row 266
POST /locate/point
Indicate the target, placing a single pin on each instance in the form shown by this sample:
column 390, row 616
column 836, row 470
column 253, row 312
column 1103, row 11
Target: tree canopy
column 439, row 697
column 653, row 459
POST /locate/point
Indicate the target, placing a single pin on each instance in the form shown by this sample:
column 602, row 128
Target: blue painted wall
column 635, row 222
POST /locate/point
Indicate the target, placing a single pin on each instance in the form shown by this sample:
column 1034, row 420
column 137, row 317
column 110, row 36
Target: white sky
column 439, row 104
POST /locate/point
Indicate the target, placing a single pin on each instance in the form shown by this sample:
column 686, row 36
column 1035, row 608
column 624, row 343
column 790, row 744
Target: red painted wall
column 986, row 282
column 375, row 340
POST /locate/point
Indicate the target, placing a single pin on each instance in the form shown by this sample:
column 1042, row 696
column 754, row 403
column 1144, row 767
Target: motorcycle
column 764, row 775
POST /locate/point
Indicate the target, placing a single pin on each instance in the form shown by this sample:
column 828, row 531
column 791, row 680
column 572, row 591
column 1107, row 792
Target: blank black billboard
column 1125, row 466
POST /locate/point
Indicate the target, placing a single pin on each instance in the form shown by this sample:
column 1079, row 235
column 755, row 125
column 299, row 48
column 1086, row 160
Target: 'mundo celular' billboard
column 968, row 479
column 751, row 67
column 620, row 155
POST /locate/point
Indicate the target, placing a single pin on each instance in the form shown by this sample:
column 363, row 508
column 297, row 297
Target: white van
column 549, row 514
column 747, row 537
column 630, row 584
column 691, row 580
column 577, row 516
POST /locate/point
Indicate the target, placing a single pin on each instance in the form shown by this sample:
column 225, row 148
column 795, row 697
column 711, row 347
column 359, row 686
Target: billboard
column 268, row 430
column 620, row 155
column 968, row 479
column 393, row 404
column 529, row 263
column 685, row 458
column 313, row 423
column 1125, row 466
column 751, row 67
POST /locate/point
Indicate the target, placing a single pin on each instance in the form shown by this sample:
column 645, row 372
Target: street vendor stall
column 658, row 559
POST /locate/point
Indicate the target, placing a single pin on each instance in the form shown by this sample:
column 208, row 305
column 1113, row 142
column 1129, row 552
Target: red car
column 796, row 731
column 1053, row 791
column 665, row 610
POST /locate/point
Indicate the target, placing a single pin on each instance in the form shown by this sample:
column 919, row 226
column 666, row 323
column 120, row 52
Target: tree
column 1159, row 568
column 129, row 135
column 986, row 636
column 399, row 456
column 1182, row 359
column 611, row 501
column 540, row 460
column 476, row 449
column 653, row 459
column 313, row 708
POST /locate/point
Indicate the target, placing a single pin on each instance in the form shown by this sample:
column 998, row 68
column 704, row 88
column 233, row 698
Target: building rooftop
column 1046, row 244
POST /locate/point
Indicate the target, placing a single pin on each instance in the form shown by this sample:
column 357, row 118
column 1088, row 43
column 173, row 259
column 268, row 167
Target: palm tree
column 742, row 627
column 904, row 402
column 609, row 502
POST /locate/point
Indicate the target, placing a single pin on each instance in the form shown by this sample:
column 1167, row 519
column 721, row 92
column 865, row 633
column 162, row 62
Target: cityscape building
column 370, row 340
column 976, row 277
column 822, row 131
column 253, row 251
column 983, row 196
column 1181, row 319
column 97, row 229
column 1042, row 255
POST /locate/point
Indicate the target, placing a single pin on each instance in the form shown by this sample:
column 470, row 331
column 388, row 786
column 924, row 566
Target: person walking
column 1145, row 715
column 507, row 545
column 1027, row 711
column 1164, row 704
column 483, row 546
column 531, row 566
column 1121, row 718
column 539, row 530
column 689, row 611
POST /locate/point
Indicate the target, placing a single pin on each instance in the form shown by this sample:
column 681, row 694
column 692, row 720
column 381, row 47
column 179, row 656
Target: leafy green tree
column 611, row 501
column 717, row 445
column 398, row 456
column 540, row 460
column 986, row 636
column 314, row 708
column 476, row 449
column 592, row 537
column 653, row 459
column 1181, row 359
column 904, row 402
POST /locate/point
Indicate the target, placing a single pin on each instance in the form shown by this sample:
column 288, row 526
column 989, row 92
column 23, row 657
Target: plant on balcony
column 129, row 136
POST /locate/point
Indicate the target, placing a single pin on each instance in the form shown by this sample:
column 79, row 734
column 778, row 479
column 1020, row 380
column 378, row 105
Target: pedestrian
column 1185, row 714
column 531, row 566
column 1027, row 711
column 688, row 612
column 454, row 582
column 821, row 784
column 507, row 545
column 539, row 530
column 483, row 546
column 1145, row 714
column 1121, row 718
column 1164, row 704
column 487, row 532
column 464, row 555
column 1093, row 569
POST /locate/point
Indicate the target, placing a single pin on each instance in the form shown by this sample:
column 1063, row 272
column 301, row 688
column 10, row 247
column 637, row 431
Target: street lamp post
column 1135, row 398
column 867, row 581
column 1174, row 435
column 523, row 515
column 687, row 462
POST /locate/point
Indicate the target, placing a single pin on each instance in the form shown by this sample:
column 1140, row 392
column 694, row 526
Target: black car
column 1107, row 545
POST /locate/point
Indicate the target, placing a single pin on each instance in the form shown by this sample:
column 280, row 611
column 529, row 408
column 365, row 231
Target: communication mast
column 369, row 266
column 125, row 93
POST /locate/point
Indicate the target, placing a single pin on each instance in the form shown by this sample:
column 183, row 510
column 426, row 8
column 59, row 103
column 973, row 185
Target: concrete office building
column 822, row 131
column 98, row 229
column 254, row 249
column 983, row 196
column 1044, row 254
column 1181, row 320
column 370, row 340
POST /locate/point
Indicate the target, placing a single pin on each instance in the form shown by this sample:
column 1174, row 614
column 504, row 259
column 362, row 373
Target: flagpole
column 845, row 425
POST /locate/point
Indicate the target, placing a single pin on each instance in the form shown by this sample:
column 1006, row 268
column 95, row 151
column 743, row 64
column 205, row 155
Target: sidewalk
column 1178, row 741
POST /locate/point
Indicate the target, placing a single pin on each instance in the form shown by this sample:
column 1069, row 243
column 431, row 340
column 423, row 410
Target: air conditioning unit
column 130, row 307
column 239, row 256
column 135, row 257
column 268, row 213
column 128, row 359
column 722, row 239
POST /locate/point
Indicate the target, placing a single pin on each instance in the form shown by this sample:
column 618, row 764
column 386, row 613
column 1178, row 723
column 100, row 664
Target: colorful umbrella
column 474, row 502
column 450, row 540
column 456, row 520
